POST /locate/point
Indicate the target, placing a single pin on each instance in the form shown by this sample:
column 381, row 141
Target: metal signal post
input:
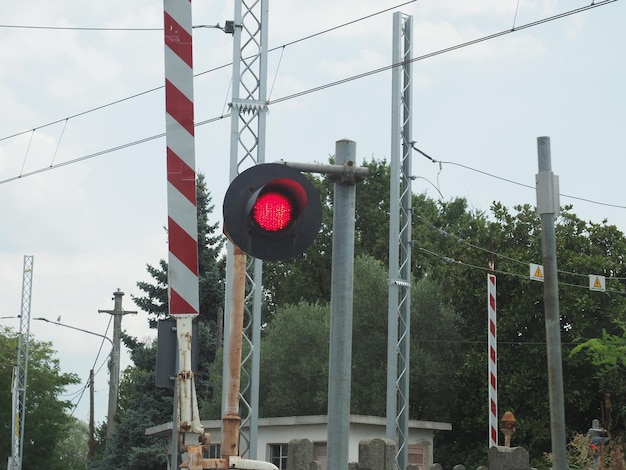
column 272, row 212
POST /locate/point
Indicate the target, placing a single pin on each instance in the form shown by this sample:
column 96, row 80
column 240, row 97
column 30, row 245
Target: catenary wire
column 299, row 94
column 515, row 16
column 74, row 28
column 491, row 175
column 495, row 253
column 451, row 260
column 607, row 204
column 215, row 69
column 443, row 51
column 331, row 84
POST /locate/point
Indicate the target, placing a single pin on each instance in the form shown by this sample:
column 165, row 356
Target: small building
column 274, row 435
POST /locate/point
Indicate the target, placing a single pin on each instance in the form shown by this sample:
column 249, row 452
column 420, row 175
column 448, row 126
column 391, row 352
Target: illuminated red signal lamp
column 272, row 212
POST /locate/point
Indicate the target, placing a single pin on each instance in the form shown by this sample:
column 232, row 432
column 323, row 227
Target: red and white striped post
column 181, row 198
column 181, row 173
column 493, row 363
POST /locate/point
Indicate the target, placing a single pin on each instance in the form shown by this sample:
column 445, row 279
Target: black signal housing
column 272, row 212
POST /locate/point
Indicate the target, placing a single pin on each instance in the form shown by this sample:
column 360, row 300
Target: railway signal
column 272, row 212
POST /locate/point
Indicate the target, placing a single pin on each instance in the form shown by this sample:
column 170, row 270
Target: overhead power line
column 74, row 28
column 215, row 69
column 607, row 204
column 450, row 260
column 201, row 26
column 445, row 50
column 294, row 95
column 446, row 234
column 78, row 28
column 507, row 180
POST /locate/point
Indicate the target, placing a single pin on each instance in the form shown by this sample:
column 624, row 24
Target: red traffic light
column 272, row 212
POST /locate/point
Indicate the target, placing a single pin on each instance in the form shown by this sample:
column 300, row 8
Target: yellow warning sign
column 536, row 272
column 597, row 283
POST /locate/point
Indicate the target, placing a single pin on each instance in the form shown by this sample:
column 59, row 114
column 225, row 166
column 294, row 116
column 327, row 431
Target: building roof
column 165, row 429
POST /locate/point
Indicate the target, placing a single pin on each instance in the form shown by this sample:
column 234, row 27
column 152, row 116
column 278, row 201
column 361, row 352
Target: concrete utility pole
column 114, row 363
column 91, row 444
column 548, row 207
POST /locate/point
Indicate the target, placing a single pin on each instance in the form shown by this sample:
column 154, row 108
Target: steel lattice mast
column 399, row 307
column 20, row 378
column 247, row 148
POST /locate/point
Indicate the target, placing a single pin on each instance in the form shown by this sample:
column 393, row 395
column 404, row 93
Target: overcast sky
column 93, row 225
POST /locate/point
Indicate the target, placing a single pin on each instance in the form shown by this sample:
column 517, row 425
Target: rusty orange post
column 231, row 418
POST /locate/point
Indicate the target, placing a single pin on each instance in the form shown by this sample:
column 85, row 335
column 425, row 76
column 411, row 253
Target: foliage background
column 452, row 251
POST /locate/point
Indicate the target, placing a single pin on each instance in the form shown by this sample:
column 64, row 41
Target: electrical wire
column 465, row 242
column 280, row 60
column 87, row 383
column 215, row 69
column 451, row 260
column 481, row 342
column 443, row 51
column 331, row 84
column 491, row 175
column 30, row 141
column 58, row 143
column 495, row 253
column 294, row 95
column 515, row 16
column 72, row 28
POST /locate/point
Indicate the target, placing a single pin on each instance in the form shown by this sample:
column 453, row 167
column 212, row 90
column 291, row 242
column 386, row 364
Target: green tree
column 72, row 450
column 47, row 423
column 141, row 405
column 294, row 352
column 307, row 277
column 211, row 267
column 513, row 240
column 436, row 332
column 453, row 247
column 294, row 361
column 607, row 354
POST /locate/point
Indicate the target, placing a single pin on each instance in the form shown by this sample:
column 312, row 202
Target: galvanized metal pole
column 394, row 236
column 548, row 207
column 20, row 379
column 400, row 215
column 342, row 280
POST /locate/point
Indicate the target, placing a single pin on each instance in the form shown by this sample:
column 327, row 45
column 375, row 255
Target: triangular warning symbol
column 597, row 283
column 536, row 272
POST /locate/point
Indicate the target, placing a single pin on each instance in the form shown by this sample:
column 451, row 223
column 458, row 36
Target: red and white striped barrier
column 181, row 173
column 493, row 363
